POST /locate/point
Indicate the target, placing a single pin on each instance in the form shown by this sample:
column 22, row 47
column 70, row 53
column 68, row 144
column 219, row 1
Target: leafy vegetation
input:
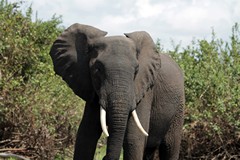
column 39, row 114
column 212, row 86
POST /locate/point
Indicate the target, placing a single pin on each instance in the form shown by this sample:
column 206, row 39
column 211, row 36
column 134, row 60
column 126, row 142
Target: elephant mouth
column 104, row 124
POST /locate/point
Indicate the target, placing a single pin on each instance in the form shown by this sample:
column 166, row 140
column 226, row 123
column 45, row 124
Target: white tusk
column 103, row 121
column 136, row 119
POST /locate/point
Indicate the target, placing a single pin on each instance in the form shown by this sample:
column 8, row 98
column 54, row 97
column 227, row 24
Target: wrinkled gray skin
column 122, row 73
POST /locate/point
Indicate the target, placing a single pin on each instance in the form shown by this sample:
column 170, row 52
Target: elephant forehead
column 117, row 48
column 118, row 41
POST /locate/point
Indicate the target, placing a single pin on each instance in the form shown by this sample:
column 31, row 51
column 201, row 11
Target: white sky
column 179, row 20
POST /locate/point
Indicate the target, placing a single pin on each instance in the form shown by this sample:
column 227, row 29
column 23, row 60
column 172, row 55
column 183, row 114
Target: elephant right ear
column 149, row 62
column 70, row 58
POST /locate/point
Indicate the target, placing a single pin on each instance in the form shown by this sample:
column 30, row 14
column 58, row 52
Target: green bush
column 39, row 114
column 212, row 87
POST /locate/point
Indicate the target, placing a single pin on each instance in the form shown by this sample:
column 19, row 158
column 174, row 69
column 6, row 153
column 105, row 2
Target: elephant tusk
column 136, row 119
column 103, row 121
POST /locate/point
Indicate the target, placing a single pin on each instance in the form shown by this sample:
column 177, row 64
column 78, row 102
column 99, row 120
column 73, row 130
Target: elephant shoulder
column 170, row 74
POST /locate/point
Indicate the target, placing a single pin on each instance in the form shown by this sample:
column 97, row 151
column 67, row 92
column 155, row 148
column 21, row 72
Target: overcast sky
column 179, row 20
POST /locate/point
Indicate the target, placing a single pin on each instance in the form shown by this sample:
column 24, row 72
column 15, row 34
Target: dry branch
column 11, row 155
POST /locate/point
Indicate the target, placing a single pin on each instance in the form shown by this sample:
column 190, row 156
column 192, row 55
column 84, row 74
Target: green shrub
column 39, row 114
column 212, row 87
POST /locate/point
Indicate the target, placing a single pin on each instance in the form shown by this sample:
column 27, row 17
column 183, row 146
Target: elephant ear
column 70, row 58
column 149, row 62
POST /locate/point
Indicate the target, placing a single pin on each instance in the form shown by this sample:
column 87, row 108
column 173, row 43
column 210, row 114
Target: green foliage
column 212, row 87
column 212, row 76
column 36, row 108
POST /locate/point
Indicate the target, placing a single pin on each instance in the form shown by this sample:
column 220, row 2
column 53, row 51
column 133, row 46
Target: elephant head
column 119, row 70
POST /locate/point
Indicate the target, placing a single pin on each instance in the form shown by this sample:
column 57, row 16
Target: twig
column 200, row 97
column 224, row 146
column 61, row 139
column 12, row 149
column 10, row 155
column 8, row 141
column 5, row 141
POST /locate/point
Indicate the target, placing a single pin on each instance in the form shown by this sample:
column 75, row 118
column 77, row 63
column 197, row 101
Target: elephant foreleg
column 170, row 147
column 88, row 133
column 135, row 141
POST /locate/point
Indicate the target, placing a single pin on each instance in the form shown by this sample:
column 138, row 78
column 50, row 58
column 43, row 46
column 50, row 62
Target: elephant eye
column 136, row 71
column 97, row 68
column 97, row 74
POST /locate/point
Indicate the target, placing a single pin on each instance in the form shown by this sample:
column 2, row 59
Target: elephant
column 133, row 94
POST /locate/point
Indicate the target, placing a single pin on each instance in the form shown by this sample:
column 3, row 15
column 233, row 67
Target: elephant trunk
column 117, row 113
column 117, row 116
column 117, row 102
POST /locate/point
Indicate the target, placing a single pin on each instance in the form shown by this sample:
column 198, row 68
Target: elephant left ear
column 149, row 62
